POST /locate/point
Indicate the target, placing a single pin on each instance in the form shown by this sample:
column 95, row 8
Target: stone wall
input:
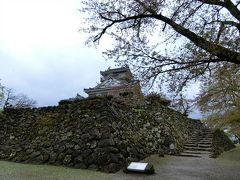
column 96, row 133
column 221, row 143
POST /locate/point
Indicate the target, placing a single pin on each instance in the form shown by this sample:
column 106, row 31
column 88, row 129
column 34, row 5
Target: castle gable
column 115, row 82
column 110, row 82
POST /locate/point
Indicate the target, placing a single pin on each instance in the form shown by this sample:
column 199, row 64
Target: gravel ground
column 227, row 166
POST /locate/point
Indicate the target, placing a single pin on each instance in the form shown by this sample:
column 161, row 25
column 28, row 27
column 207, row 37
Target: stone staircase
column 199, row 145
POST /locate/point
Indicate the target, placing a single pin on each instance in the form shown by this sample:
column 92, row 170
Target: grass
column 232, row 156
column 17, row 171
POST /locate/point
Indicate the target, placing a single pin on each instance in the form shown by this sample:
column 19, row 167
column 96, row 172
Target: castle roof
column 111, row 79
column 116, row 71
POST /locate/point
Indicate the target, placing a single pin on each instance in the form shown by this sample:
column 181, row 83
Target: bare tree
column 13, row 100
column 200, row 36
column 183, row 104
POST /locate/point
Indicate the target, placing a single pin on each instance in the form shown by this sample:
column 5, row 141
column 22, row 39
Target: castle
column 116, row 82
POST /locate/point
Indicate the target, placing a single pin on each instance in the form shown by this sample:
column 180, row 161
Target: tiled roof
column 116, row 70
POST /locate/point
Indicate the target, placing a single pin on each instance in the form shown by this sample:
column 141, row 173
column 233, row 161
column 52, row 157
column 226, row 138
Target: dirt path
column 226, row 167
column 184, row 168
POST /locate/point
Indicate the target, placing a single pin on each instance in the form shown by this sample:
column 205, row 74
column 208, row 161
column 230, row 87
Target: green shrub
column 155, row 99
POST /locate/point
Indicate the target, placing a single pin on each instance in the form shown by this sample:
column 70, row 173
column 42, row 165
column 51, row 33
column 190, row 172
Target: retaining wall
column 97, row 133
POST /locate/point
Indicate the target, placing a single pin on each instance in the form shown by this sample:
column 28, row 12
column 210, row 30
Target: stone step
column 189, row 147
column 196, row 142
column 196, row 152
column 194, row 139
column 207, row 136
column 191, row 144
column 197, row 149
column 206, row 129
column 205, row 142
column 205, row 139
column 202, row 135
column 210, row 137
column 197, row 145
column 205, row 132
column 204, row 145
column 191, row 152
column 199, row 140
column 189, row 155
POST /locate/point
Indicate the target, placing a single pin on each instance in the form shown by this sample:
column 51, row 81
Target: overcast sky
column 42, row 52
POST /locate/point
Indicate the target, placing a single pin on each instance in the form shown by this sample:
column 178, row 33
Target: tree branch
column 231, row 23
column 232, row 9
column 214, row 49
column 228, row 4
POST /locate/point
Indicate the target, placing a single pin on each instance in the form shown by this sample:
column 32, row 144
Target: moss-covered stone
column 221, row 143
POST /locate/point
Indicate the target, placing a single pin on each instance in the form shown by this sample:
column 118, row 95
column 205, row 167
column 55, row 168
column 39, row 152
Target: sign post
column 139, row 167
